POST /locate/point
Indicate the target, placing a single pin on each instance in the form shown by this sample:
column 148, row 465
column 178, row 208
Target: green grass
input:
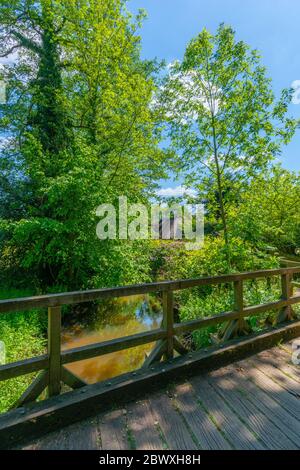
column 23, row 334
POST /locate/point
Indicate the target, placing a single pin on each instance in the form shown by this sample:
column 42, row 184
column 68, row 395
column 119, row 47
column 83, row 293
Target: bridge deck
column 251, row 404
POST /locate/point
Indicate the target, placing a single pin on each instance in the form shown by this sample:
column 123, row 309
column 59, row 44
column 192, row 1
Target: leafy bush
column 23, row 334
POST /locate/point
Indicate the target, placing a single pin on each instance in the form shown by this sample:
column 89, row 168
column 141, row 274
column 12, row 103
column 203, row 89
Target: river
column 123, row 317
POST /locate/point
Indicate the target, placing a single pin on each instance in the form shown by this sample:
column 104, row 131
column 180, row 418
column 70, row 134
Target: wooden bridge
column 249, row 404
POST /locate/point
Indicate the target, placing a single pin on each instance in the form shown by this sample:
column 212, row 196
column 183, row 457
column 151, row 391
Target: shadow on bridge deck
column 251, row 404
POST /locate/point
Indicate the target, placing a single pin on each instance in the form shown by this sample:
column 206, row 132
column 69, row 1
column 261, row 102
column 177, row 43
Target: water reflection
column 126, row 316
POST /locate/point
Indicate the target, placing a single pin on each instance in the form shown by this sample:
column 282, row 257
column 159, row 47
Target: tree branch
column 26, row 42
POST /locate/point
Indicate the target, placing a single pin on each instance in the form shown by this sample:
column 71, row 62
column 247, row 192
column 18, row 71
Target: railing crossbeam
column 165, row 337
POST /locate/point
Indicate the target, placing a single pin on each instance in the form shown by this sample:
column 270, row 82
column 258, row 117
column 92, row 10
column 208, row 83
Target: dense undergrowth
column 23, row 334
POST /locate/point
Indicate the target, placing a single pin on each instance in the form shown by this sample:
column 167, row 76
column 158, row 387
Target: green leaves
column 83, row 133
column 222, row 119
column 268, row 213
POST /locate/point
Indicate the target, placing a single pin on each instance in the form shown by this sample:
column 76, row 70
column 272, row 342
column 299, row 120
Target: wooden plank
column 193, row 325
column 256, row 309
column 34, row 390
column 53, row 300
column 72, row 380
column 141, row 431
column 171, row 423
column 142, row 425
column 287, row 346
column 26, row 366
column 289, row 262
column 113, row 431
column 271, row 436
column 106, row 347
column 205, row 431
column 275, row 413
column 55, row 412
column 178, row 346
column 284, row 362
column 168, row 322
column 80, row 436
column 156, row 354
column 263, row 364
column 54, row 350
column 289, row 402
column 226, row 316
column 286, row 286
column 234, row 429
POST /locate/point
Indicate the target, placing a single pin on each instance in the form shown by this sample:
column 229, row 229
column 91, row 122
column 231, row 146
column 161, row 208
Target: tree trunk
column 220, row 194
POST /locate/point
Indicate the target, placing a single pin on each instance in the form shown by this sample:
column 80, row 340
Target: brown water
column 124, row 317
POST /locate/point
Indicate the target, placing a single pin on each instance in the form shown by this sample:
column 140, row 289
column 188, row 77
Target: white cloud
column 178, row 191
column 296, row 87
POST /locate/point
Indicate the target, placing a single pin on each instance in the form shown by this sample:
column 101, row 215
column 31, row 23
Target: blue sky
column 272, row 26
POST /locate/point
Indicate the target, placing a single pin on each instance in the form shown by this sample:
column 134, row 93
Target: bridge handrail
column 53, row 362
column 76, row 297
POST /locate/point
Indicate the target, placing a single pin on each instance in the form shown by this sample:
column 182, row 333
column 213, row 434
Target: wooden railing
column 53, row 363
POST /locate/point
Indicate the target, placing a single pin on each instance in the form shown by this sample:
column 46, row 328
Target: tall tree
column 33, row 30
column 81, row 133
column 223, row 120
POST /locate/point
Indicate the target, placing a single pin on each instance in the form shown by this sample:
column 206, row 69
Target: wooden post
column 287, row 313
column 240, row 326
column 238, row 296
column 54, row 350
column 168, row 322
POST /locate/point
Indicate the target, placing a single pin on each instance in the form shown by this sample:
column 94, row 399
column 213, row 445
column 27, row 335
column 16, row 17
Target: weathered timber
column 156, row 354
column 54, row 350
column 171, row 423
column 275, row 413
column 178, row 346
column 72, row 380
column 205, row 431
column 234, row 328
column 239, row 326
column 270, row 436
column 283, row 361
column 287, row 382
column 287, row 312
column 106, row 347
column 59, row 411
column 34, row 390
column 79, row 436
column 113, row 431
column 168, row 322
column 26, row 366
column 288, row 263
column 221, row 317
column 53, row 300
column 143, row 426
column 284, row 399
column 235, row 430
